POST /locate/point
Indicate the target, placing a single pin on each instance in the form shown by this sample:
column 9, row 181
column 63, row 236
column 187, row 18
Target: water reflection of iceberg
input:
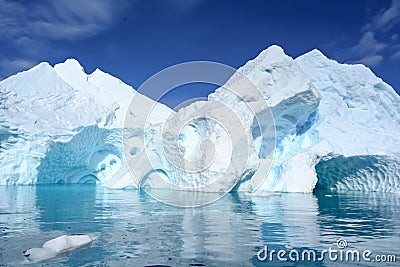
column 364, row 219
column 18, row 223
column 228, row 237
column 288, row 219
column 137, row 230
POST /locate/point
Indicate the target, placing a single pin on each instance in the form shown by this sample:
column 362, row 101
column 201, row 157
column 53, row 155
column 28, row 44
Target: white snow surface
column 336, row 127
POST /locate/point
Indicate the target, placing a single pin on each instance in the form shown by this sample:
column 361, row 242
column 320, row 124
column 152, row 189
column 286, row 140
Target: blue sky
column 133, row 40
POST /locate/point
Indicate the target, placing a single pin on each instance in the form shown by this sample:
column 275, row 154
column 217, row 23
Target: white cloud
column 370, row 61
column 31, row 26
column 396, row 56
column 371, row 51
column 386, row 19
column 56, row 20
column 367, row 50
column 368, row 45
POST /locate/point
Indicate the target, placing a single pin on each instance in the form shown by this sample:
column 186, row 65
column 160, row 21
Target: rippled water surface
column 135, row 230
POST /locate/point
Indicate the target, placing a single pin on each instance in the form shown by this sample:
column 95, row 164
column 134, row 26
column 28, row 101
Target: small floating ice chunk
column 56, row 246
column 39, row 254
column 262, row 194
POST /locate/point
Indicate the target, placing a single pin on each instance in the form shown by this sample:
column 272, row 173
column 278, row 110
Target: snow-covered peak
column 61, row 99
column 42, row 69
column 266, row 60
column 71, row 63
column 276, row 75
column 100, row 78
column 41, row 66
column 315, row 53
column 318, row 60
column 98, row 71
column 356, row 84
column 72, row 72
column 39, row 82
column 271, row 55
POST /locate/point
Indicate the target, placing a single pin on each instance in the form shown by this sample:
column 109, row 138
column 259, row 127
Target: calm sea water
column 135, row 230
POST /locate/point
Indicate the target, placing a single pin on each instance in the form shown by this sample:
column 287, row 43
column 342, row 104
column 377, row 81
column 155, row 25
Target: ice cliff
column 336, row 126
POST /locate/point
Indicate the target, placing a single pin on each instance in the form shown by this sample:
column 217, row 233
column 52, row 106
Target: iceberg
column 57, row 246
column 338, row 131
column 328, row 125
column 61, row 125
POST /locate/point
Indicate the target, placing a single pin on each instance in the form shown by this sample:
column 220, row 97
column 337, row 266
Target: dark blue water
column 135, row 230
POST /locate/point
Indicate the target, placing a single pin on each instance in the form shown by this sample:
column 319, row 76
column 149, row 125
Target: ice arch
column 91, row 156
